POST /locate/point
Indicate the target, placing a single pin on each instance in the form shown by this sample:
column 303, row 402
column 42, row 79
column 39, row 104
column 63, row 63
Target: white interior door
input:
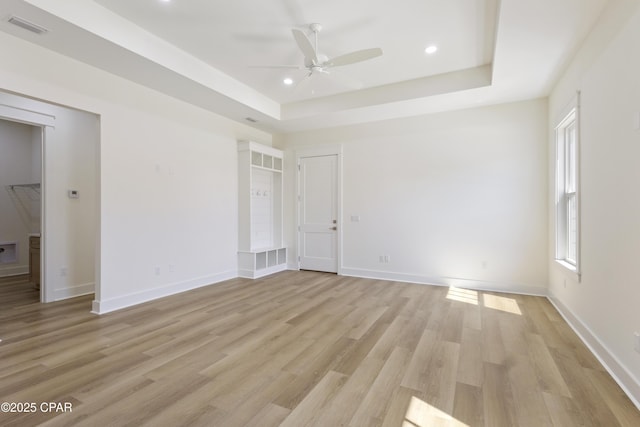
column 318, row 222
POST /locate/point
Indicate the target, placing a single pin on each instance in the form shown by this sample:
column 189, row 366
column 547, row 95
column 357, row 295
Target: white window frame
column 568, row 191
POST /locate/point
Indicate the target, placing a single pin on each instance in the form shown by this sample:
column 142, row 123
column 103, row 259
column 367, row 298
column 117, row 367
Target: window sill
column 570, row 268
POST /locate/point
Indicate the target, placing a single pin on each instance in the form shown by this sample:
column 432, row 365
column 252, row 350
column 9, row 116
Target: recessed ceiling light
column 288, row 81
column 431, row 49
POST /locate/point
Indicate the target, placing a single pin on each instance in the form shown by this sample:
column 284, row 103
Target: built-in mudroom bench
column 260, row 243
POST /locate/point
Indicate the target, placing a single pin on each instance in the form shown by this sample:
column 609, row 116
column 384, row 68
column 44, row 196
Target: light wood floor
column 16, row 291
column 304, row 348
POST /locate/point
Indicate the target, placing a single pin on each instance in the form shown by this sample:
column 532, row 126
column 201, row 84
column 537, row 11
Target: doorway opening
column 21, row 147
column 64, row 185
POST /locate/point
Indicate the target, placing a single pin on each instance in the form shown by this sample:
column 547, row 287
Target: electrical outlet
column 637, row 341
column 63, row 271
column 157, row 270
column 387, row 258
column 171, row 268
column 381, row 258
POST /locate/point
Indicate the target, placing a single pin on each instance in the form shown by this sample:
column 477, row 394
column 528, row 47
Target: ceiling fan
column 316, row 62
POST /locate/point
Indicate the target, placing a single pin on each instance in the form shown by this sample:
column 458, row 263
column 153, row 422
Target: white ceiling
column 246, row 33
column 205, row 52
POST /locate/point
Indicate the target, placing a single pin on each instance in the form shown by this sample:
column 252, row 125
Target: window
column 567, row 206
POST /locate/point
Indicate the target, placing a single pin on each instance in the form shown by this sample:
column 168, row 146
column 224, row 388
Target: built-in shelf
column 261, row 263
column 260, row 243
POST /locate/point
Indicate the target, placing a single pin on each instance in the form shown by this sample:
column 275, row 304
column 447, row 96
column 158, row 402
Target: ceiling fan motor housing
column 308, row 63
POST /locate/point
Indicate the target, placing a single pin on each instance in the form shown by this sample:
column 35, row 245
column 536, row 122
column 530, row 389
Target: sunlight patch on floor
column 495, row 302
column 421, row 414
column 508, row 305
column 463, row 295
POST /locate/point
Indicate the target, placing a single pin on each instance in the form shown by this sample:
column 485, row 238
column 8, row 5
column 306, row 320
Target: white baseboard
column 446, row 281
column 14, row 270
column 625, row 379
column 108, row 305
column 74, row 291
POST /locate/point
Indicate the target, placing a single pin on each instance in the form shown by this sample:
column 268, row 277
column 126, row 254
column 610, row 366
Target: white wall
column 167, row 177
column 455, row 198
column 604, row 305
column 15, row 206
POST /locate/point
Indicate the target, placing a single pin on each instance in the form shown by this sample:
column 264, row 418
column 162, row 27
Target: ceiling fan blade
column 286, row 67
column 305, row 45
column 353, row 57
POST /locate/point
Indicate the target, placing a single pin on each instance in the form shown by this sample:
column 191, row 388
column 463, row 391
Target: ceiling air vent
column 29, row 26
column 251, row 119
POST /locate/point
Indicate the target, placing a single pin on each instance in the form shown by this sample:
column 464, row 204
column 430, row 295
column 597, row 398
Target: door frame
column 46, row 123
column 317, row 151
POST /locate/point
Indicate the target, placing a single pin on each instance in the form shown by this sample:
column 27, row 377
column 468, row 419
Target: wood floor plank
column 467, row 406
column 269, row 416
column 401, row 333
column 564, row 413
column 311, row 409
column 254, row 401
column 470, row 364
column 498, row 403
column 574, row 348
column 513, row 331
column 530, row 407
column 397, row 406
column 586, row 399
column 493, row 350
column 452, row 328
column 317, row 368
column 146, row 402
column 549, row 377
column 361, row 348
column 99, row 400
column 434, row 375
column 304, row 348
column 371, row 410
column 342, row 407
column 614, row 398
